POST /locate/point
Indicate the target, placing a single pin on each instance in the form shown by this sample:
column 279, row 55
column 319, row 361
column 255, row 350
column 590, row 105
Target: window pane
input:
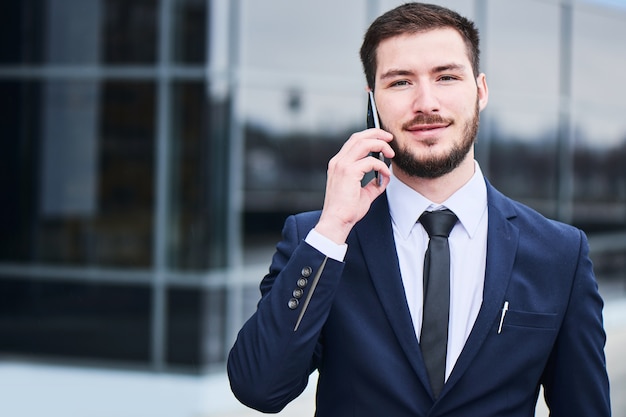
column 600, row 127
column 80, row 168
column 523, row 59
column 124, row 226
column 522, row 68
column 20, row 104
column 130, row 31
column 79, row 31
column 523, row 152
column 199, row 194
column 190, row 31
column 289, row 35
column 85, row 320
column 22, row 32
column 196, row 326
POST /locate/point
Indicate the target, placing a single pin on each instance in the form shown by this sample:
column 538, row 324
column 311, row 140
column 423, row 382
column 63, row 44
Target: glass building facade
column 151, row 150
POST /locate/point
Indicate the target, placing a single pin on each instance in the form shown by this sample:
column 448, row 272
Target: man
column 348, row 292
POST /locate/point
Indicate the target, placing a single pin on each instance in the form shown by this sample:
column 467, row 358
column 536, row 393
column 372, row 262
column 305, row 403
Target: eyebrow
column 392, row 73
column 448, row 67
column 395, row 73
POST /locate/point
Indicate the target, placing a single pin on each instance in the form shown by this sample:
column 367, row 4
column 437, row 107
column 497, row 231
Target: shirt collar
column 469, row 203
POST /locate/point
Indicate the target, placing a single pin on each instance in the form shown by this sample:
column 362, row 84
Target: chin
column 430, row 164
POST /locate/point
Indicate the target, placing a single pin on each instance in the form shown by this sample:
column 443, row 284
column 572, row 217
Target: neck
column 440, row 189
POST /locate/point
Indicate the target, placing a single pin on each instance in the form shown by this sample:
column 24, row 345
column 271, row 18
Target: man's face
column 428, row 98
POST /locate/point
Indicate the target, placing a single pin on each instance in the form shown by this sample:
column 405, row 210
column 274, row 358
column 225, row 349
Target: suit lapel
column 375, row 236
column 502, row 240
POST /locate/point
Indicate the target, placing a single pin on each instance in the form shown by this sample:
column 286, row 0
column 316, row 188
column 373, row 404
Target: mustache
column 426, row 119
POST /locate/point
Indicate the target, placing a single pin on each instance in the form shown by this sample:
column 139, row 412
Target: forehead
column 422, row 50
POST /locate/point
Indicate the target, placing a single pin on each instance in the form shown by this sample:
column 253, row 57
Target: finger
column 373, row 189
column 379, row 134
column 366, row 136
column 360, row 146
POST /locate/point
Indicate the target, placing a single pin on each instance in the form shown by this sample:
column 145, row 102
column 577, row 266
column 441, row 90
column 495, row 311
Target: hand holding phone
column 348, row 194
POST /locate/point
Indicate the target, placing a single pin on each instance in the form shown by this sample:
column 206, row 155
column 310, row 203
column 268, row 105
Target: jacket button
column 306, row 271
column 293, row 304
column 298, row 293
column 302, row 282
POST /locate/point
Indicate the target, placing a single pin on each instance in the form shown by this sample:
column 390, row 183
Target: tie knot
column 438, row 223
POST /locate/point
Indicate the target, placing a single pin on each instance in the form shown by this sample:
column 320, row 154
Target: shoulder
column 301, row 224
column 532, row 224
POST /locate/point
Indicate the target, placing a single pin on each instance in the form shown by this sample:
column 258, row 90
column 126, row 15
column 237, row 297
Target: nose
column 425, row 99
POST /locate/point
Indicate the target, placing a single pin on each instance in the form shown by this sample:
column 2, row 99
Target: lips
column 423, row 123
column 427, row 127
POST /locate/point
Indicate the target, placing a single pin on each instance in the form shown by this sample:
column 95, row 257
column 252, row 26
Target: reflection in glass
column 130, row 31
column 523, row 59
column 82, row 186
column 199, row 150
column 190, row 31
column 79, row 31
column 522, row 124
column 599, row 174
column 302, row 36
column 600, row 127
column 196, row 327
column 20, row 32
column 20, row 104
column 83, row 320
column 285, row 166
column 523, row 153
column 124, row 230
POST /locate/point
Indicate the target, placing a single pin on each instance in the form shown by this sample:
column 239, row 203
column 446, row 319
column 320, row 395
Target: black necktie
column 434, row 336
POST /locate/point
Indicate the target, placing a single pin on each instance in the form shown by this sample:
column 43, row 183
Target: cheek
column 393, row 107
column 392, row 116
column 460, row 100
column 470, row 104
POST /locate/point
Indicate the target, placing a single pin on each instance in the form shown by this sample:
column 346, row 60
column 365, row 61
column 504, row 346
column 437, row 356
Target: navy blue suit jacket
column 357, row 330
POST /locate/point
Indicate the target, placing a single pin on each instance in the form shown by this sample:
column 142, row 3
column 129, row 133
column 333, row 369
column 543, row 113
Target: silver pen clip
column 505, row 308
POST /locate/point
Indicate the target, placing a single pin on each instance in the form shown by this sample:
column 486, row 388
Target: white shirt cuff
column 326, row 246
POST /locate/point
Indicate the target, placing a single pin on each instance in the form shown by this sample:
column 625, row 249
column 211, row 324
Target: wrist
column 326, row 246
column 334, row 231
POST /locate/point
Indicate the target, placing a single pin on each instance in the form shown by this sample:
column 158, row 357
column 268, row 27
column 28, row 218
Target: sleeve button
column 306, row 271
column 293, row 304
column 298, row 293
column 302, row 282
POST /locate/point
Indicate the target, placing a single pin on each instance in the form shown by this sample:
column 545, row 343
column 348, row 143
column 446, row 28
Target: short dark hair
column 414, row 18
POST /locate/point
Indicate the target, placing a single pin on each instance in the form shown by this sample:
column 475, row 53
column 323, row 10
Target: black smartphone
column 374, row 121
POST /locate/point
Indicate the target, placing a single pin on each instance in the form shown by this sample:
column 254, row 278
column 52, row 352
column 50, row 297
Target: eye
column 448, row 78
column 400, row 83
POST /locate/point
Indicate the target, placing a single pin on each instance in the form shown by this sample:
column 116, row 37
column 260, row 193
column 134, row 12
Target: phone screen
column 372, row 112
column 374, row 121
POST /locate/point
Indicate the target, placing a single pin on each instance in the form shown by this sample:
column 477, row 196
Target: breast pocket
column 531, row 320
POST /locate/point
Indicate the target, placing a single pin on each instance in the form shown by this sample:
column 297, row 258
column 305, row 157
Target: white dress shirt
column 468, row 252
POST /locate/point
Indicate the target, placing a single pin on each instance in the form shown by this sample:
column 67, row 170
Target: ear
column 483, row 91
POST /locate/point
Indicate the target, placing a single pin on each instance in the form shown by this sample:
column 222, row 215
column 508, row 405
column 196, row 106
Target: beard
column 436, row 166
